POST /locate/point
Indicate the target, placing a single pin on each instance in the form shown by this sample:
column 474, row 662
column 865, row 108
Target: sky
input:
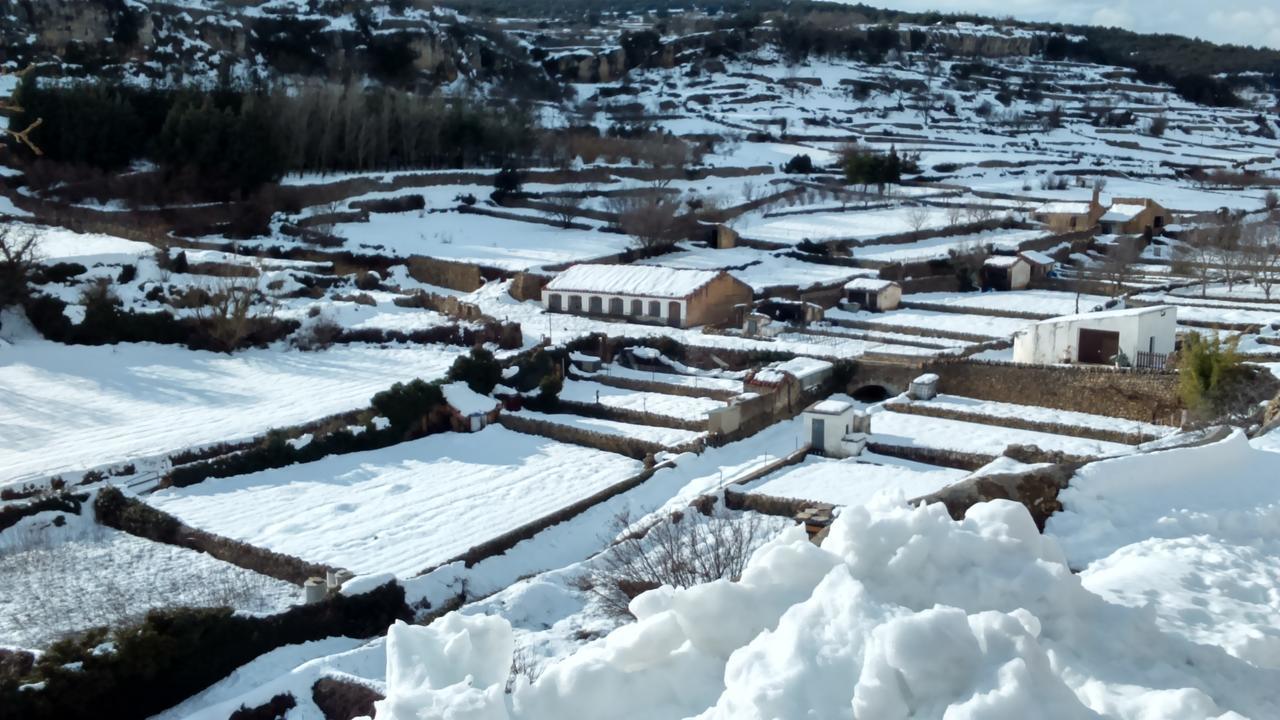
column 1241, row 22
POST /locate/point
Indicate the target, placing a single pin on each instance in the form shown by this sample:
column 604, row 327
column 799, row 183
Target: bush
column 478, row 370
column 127, row 274
column 506, row 182
column 173, row 654
column 408, row 406
column 58, row 273
column 800, row 164
column 274, row 709
column 1206, row 370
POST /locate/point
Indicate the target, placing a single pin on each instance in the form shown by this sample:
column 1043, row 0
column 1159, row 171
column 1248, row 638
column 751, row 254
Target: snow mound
column 903, row 613
column 1192, row 533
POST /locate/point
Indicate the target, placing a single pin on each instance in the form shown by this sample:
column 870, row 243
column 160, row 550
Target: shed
column 874, row 294
column 1006, row 272
column 826, row 425
column 1041, row 263
column 471, row 411
column 1142, row 337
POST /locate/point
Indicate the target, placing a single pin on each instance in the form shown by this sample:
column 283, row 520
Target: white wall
column 1052, row 342
column 835, row 427
column 1019, row 276
column 663, row 306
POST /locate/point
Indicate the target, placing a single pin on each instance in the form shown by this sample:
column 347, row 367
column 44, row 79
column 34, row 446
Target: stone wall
column 453, row 275
column 1143, row 396
column 1132, row 437
column 635, row 448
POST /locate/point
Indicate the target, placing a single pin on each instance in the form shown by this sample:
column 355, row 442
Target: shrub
column 173, row 654
column 58, row 273
column 408, row 405
column 549, row 389
column 680, row 551
column 1206, row 369
column 506, row 182
column 127, row 274
column 800, row 164
column 274, row 709
column 478, row 370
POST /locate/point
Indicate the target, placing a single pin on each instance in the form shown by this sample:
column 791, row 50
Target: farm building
column 1041, row 264
column 644, row 293
column 469, row 411
column 1132, row 216
column 835, row 428
column 1144, row 336
column 873, row 294
column 1006, row 272
column 1065, row 217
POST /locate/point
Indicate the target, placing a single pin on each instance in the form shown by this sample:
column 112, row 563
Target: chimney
column 1096, row 192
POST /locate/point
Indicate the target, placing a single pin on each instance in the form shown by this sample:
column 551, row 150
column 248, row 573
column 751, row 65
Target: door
column 818, row 432
column 673, row 314
column 1098, row 346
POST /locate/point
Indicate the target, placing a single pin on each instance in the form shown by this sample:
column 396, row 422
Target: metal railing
column 1152, row 361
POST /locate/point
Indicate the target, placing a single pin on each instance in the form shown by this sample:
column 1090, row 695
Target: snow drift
column 902, row 613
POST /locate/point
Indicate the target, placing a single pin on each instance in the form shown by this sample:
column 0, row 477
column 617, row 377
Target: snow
column 1042, row 302
column 366, row 583
column 404, row 508
column 467, row 401
column 676, row 406
column 60, row 580
column 851, row 481
column 104, row 404
column 852, row 225
column 871, row 284
column 944, row 322
column 1047, row 415
column 670, row 437
column 903, row 612
column 641, row 280
column 829, row 407
column 480, row 239
column 1003, row 261
column 901, row 429
column 1191, row 533
column 60, row 245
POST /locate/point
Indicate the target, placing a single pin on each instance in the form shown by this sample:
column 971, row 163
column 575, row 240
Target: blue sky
column 1243, row 22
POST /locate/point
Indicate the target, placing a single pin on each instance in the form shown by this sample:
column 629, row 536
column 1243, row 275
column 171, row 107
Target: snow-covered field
column 670, row 437
column 479, row 239
column 676, row 406
column 893, row 428
column 853, row 225
column 116, row 403
column 1046, row 302
column 985, row 325
column 60, row 580
column 401, row 509
column 850, row 481
column 1035, row 413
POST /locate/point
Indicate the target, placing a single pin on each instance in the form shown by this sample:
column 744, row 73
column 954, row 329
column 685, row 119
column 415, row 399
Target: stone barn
column 647, row 294
column 1006, row 272
column 1134, row 216
column 874, row 294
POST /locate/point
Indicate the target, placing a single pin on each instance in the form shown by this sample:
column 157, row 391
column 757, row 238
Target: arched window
column 637, row 308
column 655, row 308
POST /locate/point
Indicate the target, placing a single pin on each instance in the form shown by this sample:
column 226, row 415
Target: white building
column 647, row 293
column 1145, row 336
column 835, row 428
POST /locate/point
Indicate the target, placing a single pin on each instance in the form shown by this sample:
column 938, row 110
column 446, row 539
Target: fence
column 1152, row 361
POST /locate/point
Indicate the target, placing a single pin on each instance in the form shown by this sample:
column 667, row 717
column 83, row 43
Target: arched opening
column 871, row 394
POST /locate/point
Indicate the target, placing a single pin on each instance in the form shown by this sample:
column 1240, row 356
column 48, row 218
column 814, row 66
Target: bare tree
column 1197, row 256
column 18, row 258
column 1260, row 256
column 1117, row 269
column 567, row 208
column 229, row 313
column 649, row 217
column 681, row 551
column 918, row 217
column 22, row 136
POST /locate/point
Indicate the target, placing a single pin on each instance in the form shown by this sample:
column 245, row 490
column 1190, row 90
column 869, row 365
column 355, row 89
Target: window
column 655, row 308
column 637, row 308
column 595, row 305
column 555, row 301
column 615, row 306
column 1073, row 223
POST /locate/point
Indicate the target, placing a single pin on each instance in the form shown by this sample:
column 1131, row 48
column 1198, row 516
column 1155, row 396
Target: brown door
column 1098, row 346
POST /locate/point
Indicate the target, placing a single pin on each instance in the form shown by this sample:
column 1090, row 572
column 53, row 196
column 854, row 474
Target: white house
column 1145, row 335
column 647, row 293
column 835, row 428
